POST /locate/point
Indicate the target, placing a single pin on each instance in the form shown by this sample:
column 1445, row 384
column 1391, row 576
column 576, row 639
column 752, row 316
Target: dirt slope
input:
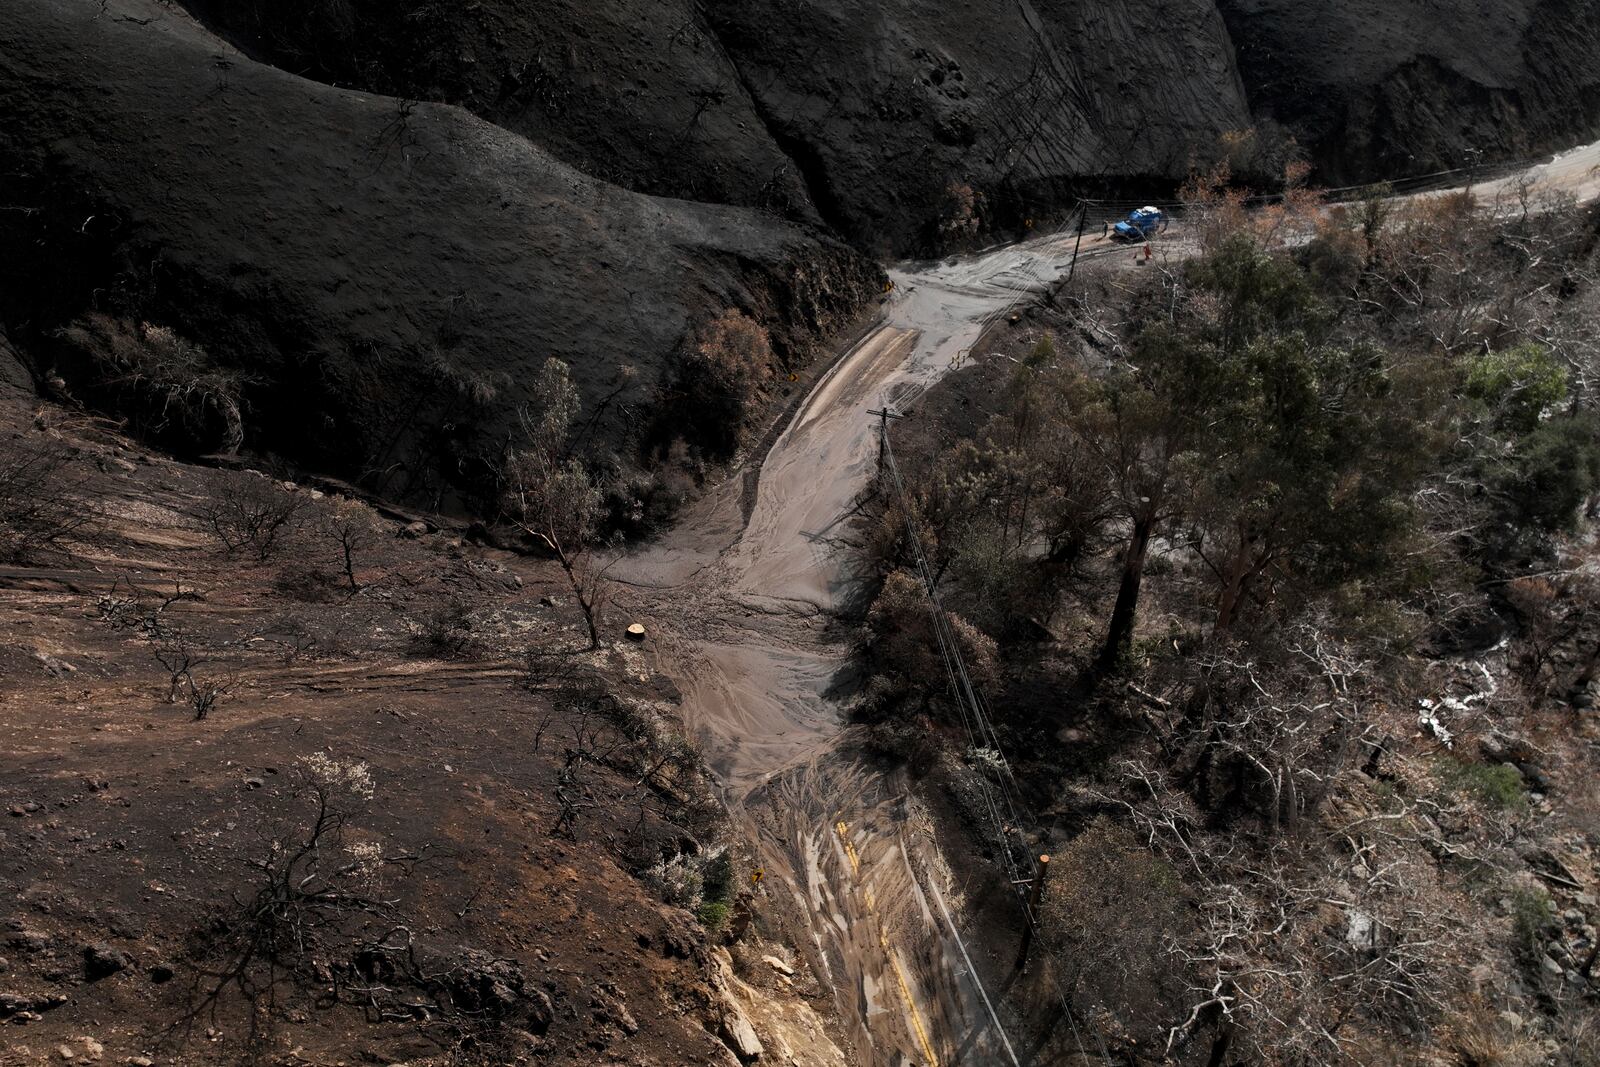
column 637, row 92
column 372, row 263
column 133, row 837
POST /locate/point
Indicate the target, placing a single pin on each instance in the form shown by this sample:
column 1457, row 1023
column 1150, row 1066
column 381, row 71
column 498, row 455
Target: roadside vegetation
column 1276, row 566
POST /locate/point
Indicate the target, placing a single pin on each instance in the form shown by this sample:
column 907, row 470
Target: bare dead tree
column 128, row 607
column 351, row 527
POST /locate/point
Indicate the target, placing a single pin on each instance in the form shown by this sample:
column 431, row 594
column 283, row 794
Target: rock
column 1550, row 966
column 1537, row 780
column 778, row 965
column 254, row 783
column 481, row 984
column 680, row 936
column 92, row 1049
column 541, row 1011
column 609, row 1007
column 102, row 961
column 65, row 1052
column 664, row 688
column 414, row 530
column 738, row 1033
column 32, row 941
column 524, row 1041
column 140, row 1061
column 1035, row 630
column 160, row 973
column 55, row 667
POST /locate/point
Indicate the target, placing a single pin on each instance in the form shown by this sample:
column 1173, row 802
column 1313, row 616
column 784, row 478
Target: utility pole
column 883, row 417
column 1035, row 897
column 1083, row 215
column 1474, row 165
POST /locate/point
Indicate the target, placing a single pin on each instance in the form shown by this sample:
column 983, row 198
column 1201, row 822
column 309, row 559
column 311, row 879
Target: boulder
column 102, row 961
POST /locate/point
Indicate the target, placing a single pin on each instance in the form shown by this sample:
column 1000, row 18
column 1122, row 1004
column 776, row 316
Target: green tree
column 1142, row 427
column 1518, row 385
column 1554, row 470
column 1305, row 476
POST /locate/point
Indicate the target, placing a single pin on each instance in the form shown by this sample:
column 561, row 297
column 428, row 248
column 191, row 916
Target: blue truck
column 1140, row 225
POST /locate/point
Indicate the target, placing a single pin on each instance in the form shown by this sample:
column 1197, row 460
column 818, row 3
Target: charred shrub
column 169, row 386
column 250, row 514
column 448, row 631
column 639, row 504
column 42, row 500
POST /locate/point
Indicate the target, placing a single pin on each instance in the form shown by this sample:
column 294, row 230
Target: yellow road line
column 883, row 942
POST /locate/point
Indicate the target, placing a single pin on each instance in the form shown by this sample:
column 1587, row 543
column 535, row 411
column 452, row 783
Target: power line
column 984, row 736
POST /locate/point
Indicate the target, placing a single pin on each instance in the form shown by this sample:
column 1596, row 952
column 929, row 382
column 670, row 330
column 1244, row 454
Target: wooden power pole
column 883, row 418
column 1035, row 898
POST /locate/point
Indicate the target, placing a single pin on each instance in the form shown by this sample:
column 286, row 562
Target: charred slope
column 1393, row 87
column 897, row 106
column 384, row 275
column 636, row 92
column 872, row 115
column 861, row 112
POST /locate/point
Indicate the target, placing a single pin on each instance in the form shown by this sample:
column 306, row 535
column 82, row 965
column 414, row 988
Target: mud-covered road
column 763, row 674
column 847, row 850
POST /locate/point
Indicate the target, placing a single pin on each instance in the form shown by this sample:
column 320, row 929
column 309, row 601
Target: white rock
column 738, row 1032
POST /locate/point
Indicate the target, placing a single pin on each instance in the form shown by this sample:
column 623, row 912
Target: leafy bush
column 1110, row 907
column 1531, row 912
column 448, row 632
column 1518, row 384
column 716, row 884
column 1498, row 787
column 1554, row 470
column 703, row 882
column 904, row 644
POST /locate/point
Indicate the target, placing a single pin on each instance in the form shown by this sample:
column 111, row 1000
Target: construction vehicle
column 1140, row 225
